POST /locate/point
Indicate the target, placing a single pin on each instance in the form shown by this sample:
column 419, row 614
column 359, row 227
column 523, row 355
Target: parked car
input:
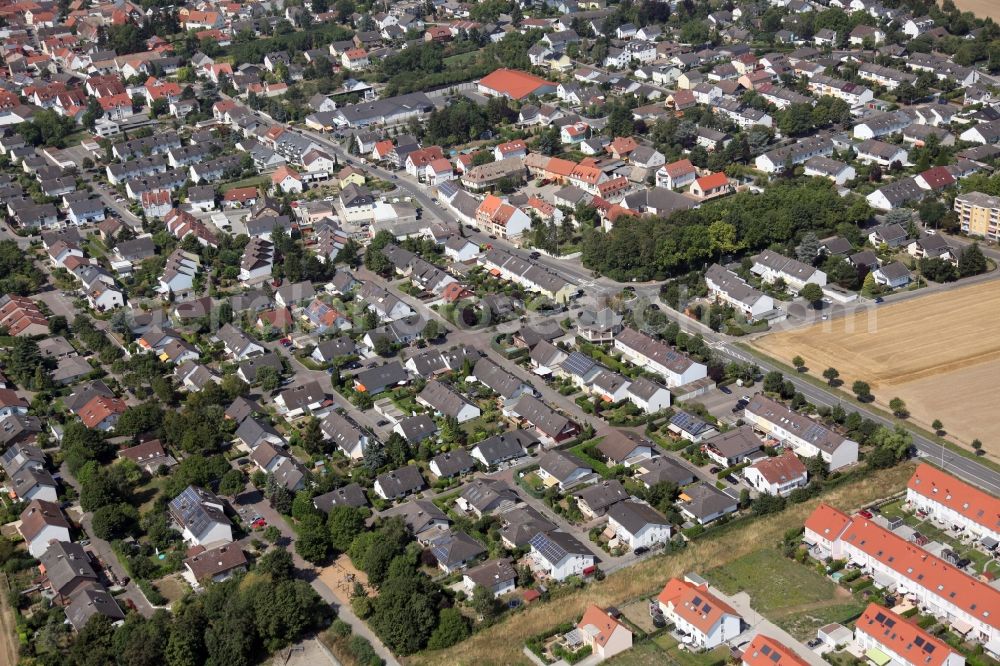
column 641, row 550
column 866, row 513
column 714, row 469
column 726, row 390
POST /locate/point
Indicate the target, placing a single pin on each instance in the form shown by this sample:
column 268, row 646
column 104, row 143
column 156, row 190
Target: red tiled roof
column 827, row 521
column 695, row 604
column 513, row 83
column 765, row 651
column 902, row 637
column 604, row 624
column 962, row 498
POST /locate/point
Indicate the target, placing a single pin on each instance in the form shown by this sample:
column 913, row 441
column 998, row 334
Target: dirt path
column 8, row 627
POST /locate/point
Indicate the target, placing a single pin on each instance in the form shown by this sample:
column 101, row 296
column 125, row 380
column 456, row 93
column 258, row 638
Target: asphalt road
column 967, row 469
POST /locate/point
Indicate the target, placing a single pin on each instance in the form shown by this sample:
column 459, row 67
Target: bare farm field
column 940, row 354
column 981, row 8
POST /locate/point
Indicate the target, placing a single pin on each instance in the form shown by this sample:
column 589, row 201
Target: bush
column 363, row 651
column 152, row 594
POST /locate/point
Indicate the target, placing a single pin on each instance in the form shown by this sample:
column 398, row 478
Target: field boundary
column 851, row 400
column 8, row 626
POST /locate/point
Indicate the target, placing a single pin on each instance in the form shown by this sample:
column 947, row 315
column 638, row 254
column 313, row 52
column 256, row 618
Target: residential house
column 806, row 437
column 779, row 475
column 700, row 614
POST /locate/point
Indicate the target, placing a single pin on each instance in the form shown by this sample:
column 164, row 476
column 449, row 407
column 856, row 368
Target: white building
column 638, row 525
column 697, row 612
column 806, row 437
column 676, row 368
column 954, row 502
column 777, row 476
column 559, row 555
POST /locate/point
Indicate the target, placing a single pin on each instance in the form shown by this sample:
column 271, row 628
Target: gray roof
column 655, row 350
column 402, row 481
column 554, row 547
column 665, row 469
column 418, row 515
column 455, row 462
column 455, row 549
column 497, row 379
column 618, row 445
column 303, row 395
column 707, row 500
column 644, row 388
column 90, row 602
column 442, row 399
column 602, row 495
column 561, row 464
column 252, row 365
column 488, row 495
column 804, row 427
column 634, row 516
column 545, row 419
column 489, row 574
column 382, row 376
column 506, row 446
column 65, row 564
column 194, row 509
column 350, row 495
column 417, row 428
column 344, row 434
column 735, row 444
column 521, row 524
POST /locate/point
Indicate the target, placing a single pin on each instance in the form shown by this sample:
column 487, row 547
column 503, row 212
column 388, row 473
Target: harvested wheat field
column 981, row 8
column 940, row 354
column 502, row 643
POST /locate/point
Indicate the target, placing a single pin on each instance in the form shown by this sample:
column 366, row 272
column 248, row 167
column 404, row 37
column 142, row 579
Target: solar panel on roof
column 706, row 609
column 696, row 601
column 928, row 648
column 766, row 650
column 880, row 618
column 919, row 640
column 775, row 657
column 890, row 622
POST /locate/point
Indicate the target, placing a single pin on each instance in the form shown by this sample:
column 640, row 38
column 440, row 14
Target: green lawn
column 675, row 654
column 773, row 582
column 595, row 464
column 460, row 59
column 803, row 625
column 254, row 181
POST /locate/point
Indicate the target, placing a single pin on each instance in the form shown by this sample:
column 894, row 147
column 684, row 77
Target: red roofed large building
column 969, row 605
column 499, row 218
column 605, row 635
column 766, row 651
column 699, row 613
column 879, row 629
column 949, row 500
column 514, row 84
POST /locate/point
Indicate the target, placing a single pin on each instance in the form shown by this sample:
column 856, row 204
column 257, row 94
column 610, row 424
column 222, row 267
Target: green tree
column 799, row 363
column 862, row 390
column 452, row 629
column 971, row 261
column 114, row 521
column 977, row 446
column 268, row 378
column 313, row 542
column 431, row 330
column 773, row 382
column 898, row 407
column 277, row 563
column 832, row 376
column 812, row 293
column 938, row 427
column 232, row 483
column 484, row 603
column 344, row 523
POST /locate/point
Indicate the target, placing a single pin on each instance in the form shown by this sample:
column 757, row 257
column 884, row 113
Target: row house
column 887, row 77
column 954, row 502
column 771, row 267
column 882, row 125
column 675, row 367
column 806, row 437
column 155, row 144
column 136, row 168
column 796, row 153
column 729, row 288
column 852, row 93
column 169, row 180
column 902, row 566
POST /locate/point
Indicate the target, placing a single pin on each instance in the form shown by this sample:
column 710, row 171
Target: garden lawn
column 773, row 582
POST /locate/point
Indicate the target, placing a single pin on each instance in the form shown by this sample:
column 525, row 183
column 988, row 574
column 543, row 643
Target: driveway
column 102, row 551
